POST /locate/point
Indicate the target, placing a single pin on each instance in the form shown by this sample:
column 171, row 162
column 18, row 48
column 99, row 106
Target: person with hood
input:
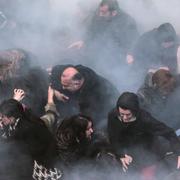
column 78, row 89
column 159, row 95
column 138, row 139
column 156, row 48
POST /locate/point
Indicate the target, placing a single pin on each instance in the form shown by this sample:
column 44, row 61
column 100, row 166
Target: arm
column 51, row 113
column 160, row 129
column 116, row 138
column 113, row 132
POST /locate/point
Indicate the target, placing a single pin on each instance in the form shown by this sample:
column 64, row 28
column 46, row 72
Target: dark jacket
column 138, row 138
column 118, row 31
column 149, row 52
column 95, row 98
column 30, row 141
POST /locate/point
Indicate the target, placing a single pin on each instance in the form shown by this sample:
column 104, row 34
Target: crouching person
column 138, row 139
column 83, row 153
column 77, row 146
column 26, row 143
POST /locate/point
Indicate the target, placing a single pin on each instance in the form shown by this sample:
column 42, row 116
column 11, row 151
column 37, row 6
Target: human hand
column 129, row 59
column 126, row 161
column 19, row 94
column 61, row 96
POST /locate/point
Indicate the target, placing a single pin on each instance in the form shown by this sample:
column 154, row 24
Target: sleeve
column 113, row 137
column 50, row 116
column 158, row 128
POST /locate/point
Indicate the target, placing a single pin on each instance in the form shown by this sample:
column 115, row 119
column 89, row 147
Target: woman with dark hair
column 73, row 136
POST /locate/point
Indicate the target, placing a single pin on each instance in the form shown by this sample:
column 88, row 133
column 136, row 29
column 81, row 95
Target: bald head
column 68, row 74
column 67, row 79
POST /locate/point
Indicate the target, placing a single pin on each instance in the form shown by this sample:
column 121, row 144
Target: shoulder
column 145, row 117
column 112, row 115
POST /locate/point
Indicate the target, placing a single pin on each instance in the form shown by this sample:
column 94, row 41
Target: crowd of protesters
column 71, row 122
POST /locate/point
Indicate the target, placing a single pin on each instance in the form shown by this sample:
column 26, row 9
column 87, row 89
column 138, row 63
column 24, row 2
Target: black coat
column 30, row 141
column 95, row 98
column 138, row 138
column 149, row 53
column 118, row 31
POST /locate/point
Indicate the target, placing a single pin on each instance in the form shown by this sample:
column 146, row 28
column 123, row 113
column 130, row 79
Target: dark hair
column 128, row 100
column 77, row 77
column 112, row 4
column 72, row 129
column 12, row 108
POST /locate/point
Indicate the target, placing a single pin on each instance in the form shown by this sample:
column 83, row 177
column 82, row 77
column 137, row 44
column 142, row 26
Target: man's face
column 72, row 85
column 125, row 115
column 104, row 11
column 89, row 130
column 67, row 81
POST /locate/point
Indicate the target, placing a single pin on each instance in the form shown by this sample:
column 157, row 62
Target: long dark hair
column 72, row 130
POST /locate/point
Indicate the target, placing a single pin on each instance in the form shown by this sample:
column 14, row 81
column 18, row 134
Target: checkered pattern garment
column 41, row 173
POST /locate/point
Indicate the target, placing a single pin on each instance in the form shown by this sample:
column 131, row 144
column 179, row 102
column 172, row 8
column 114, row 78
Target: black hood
column 166, row 33
column 130, row 101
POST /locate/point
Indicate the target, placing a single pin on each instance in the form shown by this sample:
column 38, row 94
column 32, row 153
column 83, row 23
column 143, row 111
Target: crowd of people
column 72, row 122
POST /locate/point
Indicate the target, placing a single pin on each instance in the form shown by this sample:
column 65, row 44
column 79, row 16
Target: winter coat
column 95, row 98
column 30, row 141
column 118, row 31
column 139, row 138
column 149, row 53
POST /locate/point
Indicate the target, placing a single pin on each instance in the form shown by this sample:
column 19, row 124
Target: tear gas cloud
column 48, row 27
